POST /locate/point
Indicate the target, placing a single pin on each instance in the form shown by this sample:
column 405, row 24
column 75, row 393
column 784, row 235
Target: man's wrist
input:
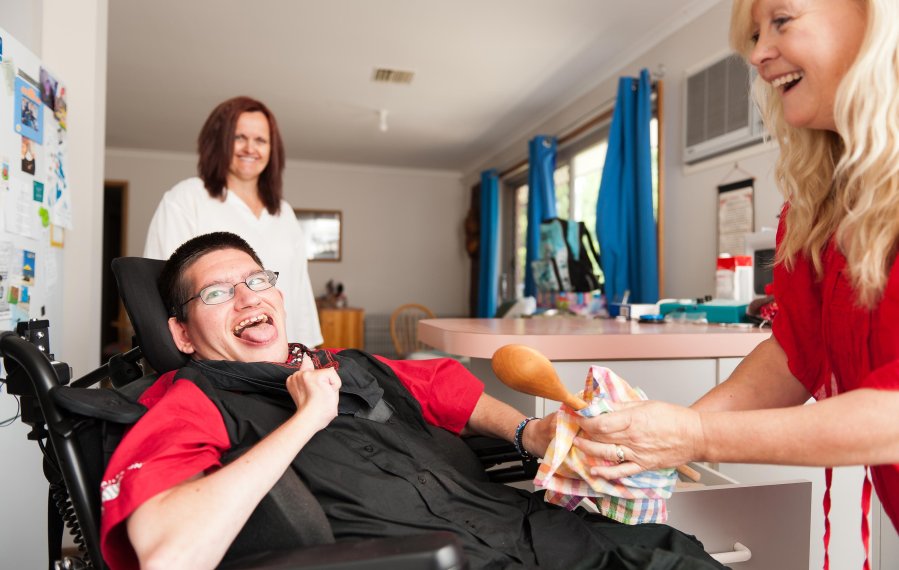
column 519, row 434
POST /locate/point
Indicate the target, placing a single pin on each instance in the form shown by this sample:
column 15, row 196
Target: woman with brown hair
column 239, row 189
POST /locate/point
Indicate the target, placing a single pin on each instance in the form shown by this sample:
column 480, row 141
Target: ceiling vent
column 384, row 75
column 720, row 114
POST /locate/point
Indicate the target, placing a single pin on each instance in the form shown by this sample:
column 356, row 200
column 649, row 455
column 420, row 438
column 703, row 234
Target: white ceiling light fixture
column 382, row 120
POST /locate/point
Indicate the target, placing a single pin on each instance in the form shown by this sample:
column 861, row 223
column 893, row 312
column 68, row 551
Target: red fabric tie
column 828, row 478
column 866, row 510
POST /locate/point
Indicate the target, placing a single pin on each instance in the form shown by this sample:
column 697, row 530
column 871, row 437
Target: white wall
column 402, row 229
column 690, row 197
column 23, row 489
column 70, row 38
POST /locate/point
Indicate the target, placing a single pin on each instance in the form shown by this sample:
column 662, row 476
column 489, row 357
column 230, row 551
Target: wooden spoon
column 524, row 369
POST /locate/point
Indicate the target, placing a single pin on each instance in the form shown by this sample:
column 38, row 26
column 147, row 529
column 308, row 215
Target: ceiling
column 486, row 71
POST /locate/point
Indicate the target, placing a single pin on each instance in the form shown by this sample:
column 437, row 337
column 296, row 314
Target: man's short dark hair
column 173, row 284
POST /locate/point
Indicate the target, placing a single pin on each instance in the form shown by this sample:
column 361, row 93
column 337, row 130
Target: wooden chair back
column 404, row 328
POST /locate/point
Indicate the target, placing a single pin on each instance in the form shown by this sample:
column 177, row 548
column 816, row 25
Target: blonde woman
column 829, row 86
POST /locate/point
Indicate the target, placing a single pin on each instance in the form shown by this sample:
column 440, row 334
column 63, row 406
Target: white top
column 187, row 211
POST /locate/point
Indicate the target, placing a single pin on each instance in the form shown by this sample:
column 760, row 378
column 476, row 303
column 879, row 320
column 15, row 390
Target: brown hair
column 215, row 146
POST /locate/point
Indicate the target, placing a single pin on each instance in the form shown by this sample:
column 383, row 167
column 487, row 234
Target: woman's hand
column 650, row 435
column 315, row 393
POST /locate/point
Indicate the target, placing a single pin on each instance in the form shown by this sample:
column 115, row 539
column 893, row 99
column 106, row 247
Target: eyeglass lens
column 221, row 292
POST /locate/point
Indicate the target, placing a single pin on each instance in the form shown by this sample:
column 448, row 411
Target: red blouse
column 834, row 346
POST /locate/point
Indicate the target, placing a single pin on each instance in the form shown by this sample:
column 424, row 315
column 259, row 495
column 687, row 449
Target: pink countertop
column 577, row 338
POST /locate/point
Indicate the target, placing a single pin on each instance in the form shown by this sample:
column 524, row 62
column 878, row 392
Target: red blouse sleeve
column 182, row 434
column 797, row 326
column 446, row 390
column 885, row 338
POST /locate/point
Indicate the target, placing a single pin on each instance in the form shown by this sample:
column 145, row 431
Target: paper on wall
column 21, row 209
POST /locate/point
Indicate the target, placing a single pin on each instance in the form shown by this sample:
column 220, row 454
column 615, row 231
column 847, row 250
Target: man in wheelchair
column 234, row 442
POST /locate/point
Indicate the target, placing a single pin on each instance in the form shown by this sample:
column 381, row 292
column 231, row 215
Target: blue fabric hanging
column 541, row 200
column 489, row 246
column 625, row 224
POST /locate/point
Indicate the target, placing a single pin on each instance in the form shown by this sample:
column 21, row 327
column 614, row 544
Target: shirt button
column 422, row 480
column 369, row 448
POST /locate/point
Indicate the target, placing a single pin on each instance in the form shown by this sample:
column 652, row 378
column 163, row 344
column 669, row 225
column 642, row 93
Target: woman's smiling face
column 803, row 48
column 252, row 146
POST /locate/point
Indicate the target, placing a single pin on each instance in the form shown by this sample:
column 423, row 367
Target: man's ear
column 180, row 336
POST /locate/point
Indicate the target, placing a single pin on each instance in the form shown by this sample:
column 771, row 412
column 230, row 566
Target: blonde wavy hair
column 843, row 184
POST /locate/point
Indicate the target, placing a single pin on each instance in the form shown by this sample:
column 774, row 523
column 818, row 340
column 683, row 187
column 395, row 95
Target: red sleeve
column 182, row 434
column 885, row 338
column 446, row 390
column 797, row 326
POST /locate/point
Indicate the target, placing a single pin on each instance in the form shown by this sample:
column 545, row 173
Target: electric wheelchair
column 77, row 428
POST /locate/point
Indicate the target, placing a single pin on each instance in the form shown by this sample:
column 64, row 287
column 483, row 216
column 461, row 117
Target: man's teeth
column 788, row 78
column 249, row 322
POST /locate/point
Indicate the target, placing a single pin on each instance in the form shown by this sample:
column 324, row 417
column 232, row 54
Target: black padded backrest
column 136, row 278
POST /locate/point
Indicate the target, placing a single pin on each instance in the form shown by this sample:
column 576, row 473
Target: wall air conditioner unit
column 720, row 113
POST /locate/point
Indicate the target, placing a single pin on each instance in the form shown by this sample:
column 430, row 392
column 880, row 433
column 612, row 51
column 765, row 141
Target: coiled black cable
column 67, row 511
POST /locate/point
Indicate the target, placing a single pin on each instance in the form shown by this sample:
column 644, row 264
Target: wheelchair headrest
column 136, row 278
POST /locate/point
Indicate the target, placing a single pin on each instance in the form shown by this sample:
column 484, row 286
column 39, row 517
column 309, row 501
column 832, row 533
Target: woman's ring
column 619, row 453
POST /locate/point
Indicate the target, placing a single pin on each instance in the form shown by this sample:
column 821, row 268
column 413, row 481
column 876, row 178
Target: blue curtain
column 541, row 200
column 489, row 245
column 625, row 225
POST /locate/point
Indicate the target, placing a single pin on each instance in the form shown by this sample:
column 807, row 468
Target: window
column 577, row 177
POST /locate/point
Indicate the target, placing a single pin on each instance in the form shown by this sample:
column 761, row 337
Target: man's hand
column 650, row 435
column 538, row 433
column 315, row 393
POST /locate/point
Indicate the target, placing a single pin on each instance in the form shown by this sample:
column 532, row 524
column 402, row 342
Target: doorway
column 115, row 328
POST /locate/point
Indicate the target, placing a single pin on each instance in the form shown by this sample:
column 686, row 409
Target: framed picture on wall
column 322, row 230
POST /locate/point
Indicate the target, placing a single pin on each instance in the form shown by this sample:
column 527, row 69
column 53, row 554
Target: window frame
column 509, row 185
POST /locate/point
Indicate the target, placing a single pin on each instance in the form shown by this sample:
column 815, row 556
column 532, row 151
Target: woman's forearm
column 855, row 428
column 762, row 380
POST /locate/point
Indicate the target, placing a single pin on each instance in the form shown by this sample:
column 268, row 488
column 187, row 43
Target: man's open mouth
column 250, row 323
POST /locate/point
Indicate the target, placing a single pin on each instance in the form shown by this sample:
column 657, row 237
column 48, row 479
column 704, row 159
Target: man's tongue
column 262, row 332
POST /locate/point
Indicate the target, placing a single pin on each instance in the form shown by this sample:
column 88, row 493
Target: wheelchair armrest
column 493, row 452
column 432, row 551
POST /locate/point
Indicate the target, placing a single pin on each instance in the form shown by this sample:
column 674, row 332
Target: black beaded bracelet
column 519, row 432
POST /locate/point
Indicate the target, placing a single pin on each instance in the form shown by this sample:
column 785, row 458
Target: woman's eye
column 780, row 22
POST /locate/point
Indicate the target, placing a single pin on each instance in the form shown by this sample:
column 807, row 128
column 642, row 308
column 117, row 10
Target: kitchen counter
column 674, row 362
column 580, row 338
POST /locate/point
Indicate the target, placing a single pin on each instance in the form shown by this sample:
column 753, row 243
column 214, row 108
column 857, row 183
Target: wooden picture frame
column 323, row 230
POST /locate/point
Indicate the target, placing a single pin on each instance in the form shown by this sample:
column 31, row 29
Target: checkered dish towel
column 564, row 472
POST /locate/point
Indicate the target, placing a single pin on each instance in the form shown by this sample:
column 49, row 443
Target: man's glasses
column 218, row 293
